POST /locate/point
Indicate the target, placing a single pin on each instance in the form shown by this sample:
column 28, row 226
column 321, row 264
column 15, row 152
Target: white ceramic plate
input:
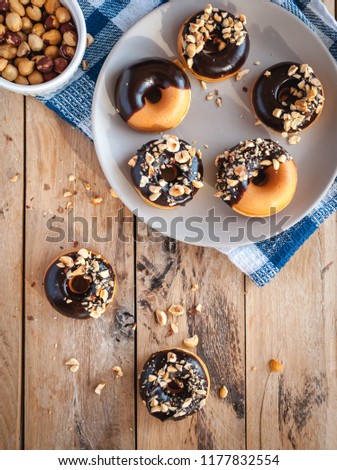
column 276, row 35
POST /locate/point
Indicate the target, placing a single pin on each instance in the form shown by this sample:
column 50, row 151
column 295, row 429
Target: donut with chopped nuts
column 153, row 95
column 257, row 178
column 288, row 97
column 213, row 44
column 80, row 284
column 167, row 172
column 174, row 384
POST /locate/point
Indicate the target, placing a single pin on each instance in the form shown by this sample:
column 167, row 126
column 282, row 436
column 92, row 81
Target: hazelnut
column 23, row 49
column 52, row 37
column 27, row 25
column 7, row 52
column 20, row 80
column 25, row 2
column 2, row 31
column 13, row 22
column 2, row 18
column 13, row 39
column 63, row 15
column 49, row 76
column 26, row 67
column 90, row 40
column 35, row 42
column 51, row 6
column 17, row 7
column 38, row 29
column 67, row 27
column 4, row 6
column 51, row 22
column 23, row 36
column 10, row 73
column 52, row 52
column 37, row 3
column 67, row 52
column 3, row 64
column 60, row 64
column 70, row 38
column 45, row 65
column 34, row 13
column 35, row 78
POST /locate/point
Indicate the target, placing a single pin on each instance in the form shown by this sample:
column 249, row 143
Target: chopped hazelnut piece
column 99, row 388
column 223, row 392
column 241, row 74
column 161, row 317
column 118, row 371
column 176, row 310
column 275, row 365
column 74, row 364
column 191, row 342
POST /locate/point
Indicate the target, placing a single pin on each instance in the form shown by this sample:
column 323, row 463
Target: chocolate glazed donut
column 153, row 95
column 214, row 44
column 288, row 97
column 174, row 384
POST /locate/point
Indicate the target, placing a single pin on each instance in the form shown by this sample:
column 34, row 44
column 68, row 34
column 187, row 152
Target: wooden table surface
column 45, row 406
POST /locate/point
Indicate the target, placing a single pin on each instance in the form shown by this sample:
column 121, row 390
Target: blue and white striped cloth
column 106, row 21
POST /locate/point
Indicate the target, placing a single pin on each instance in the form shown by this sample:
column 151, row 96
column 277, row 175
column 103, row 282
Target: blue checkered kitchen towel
column 106, row 21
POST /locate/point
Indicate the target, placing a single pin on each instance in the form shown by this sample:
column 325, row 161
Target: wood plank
column 11, row 223
column 165, row 274
column 294, row 320
column 61, row 409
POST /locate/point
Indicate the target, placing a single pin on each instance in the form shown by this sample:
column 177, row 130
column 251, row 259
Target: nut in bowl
column 42, row 44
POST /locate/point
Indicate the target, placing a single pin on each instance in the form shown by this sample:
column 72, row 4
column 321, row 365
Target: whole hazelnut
column 26, row 67
column 3, row 64
column 45, row 65
column 38, row 29
column 20, row 80
column 27, row 25
column 13, row 39
column 17, row 7
column 34, row 13
column 4, row 6
column 52, row 52
column 13, row 22
column 67, row 52
column 63, row 15
column 69, row 26
column 10, row 73
column 60, row 64
column 23, row 49
column 35, row 42
column 49, row 76
column 7, row 52
column 70, row 38
column 2, row 32
column 51, row 22
column 38, row 3
column 23, row 36
column 35, row 78
column 52, row 37
column 51, row 6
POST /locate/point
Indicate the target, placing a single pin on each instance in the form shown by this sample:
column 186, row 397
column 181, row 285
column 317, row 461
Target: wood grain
column 166, row 271
column 11, row 227
column 61, row 409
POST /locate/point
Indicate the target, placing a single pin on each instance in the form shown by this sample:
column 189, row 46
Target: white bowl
column 47, row 88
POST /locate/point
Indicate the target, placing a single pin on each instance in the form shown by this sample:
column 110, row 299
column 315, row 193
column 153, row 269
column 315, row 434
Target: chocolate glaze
column 57, row 289
column 191, row 382
column 246, row 163
column 181, row 173
column 216, row 64
column 267, row 96
column 145, row 79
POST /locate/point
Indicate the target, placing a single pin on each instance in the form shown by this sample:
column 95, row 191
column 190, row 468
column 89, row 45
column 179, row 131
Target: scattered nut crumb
column 113, row 193
column 253, row 368
column 118, row 371
column 284, row 135
column 223, row 392
column 100, row 387
column 209, row 97
column 69, row 205
column 267, row 73
column 67, row 194
column 96, row 200
column 84, row 65
column 218, row 102
column 196, row 310
column 206, row 146
column 134, row 327
column 257, row 62
column 203, row 85
column 174, row 328
column 294, row 139
column 90, row 40
column 87, row 185
column 14, row 178
column 74, row 364
column 176, row 310
column 161, row 317
column 275, row 365
column 258, row 123
column 241, row 74
column 71, row 178
column 191, row 342
column 194, row 287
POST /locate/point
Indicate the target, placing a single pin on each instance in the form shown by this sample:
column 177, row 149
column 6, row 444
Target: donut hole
column 153, row 95
column 175, row 386
column 261, row 179
column 169, row 173
column 79, row 284
column 284, row 93
column 212, row 45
